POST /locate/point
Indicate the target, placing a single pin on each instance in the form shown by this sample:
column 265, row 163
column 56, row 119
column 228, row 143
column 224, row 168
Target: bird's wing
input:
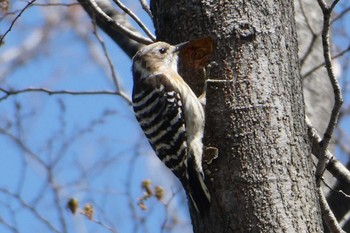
column 158, row 108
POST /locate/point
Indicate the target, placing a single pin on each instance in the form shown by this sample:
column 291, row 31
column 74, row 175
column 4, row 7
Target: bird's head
column 156, row 58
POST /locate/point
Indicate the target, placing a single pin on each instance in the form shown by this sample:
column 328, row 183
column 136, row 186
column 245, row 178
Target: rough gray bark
column 262, row 180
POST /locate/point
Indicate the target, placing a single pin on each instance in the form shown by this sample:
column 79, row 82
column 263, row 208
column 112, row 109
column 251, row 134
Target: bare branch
column 56, row 4
column 324, row 63
column 309, row 49
column 336, row 168
column 136, row 19
column 344, row 220
column 128, row 186
column 327, row 214
column 103, row 45
column 119, row 27
column 338, row 99
column 129, row 46
column 7, row 225
column 146, row 8
column 57, row 199
column 341, row 14
column 334, row 3
column 30, row 208
column 167, row 209
column 8, row 13
column 14, row 21
column 24, row 147
column 60, row 92
column 306, row 18
column 336, row 190
column 104, row 225
column 314, row 35
column 96, row 10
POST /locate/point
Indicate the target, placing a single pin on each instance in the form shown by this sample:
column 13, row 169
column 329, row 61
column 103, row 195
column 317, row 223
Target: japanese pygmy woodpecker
column 171, row 117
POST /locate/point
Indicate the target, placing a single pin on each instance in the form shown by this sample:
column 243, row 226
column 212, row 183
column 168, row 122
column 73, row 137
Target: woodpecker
column 171, row 117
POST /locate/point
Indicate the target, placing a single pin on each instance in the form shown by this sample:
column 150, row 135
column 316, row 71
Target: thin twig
column 24, row 148
column 324, row 63
column 335, row 190
column 135, row 18
column 61, row 92
column 167, row 209
column 334, row 3
column 104, row 225
column 30, row 208
column 306, row 18
column 336, row 168
column 314, row 39
column 4, row 15
column 338, row 100
column 128, row 45
column 314, row 35
column 129, row 187
column 116, row 25
column 345, row 219
column 15, row 19
column 105, row 51
column 56, row 4
column 341, row 14
column 8, row 225
column 146, row 8
column 99, row 222
column 309, row 49
column 327, row 214
column 56, row 199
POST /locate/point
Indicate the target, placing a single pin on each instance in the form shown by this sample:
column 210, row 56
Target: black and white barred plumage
column 171, row 117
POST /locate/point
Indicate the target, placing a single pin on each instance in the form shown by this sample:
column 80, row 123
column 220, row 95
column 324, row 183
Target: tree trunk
column 262, row 180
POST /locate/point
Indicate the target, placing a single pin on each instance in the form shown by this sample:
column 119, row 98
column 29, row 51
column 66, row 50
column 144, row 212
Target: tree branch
column 14, row 21
column 9, row 93
column 345, row 219
column 313, row 38
column 117, row 26
column 146, row 8
column 104, row 48
column 24, row 148
column 135, row 18
column 111, row 22
column 336, row 168
column 56, row 4
column 26, row 205
column 338, row 100
column 327, row 214
column 324, row 63
column 341, row 14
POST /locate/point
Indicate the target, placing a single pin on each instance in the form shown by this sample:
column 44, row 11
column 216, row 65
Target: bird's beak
column 180, row 46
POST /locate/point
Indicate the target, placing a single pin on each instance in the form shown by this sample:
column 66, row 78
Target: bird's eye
column 162, row 50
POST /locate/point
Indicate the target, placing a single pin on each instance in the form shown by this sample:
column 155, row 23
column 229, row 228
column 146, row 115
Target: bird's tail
column 197, row 191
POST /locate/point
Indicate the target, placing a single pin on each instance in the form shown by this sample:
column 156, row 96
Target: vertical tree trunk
column 262, row 180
